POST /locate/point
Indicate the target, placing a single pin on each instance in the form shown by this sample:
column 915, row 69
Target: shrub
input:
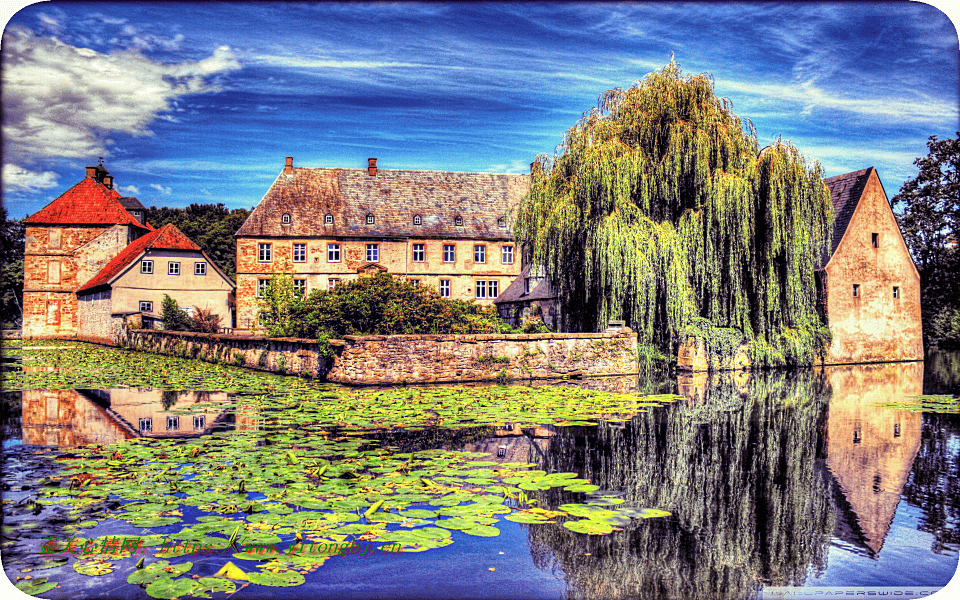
column 174, row 318
column 205, row 321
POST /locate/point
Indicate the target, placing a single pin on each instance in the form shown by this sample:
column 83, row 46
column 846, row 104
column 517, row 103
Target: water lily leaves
column 482, row 531
column 582, row 487
column 93, row 568
column 157, row 570
column 419, row 513
column 589, row 526
column 35, row 587
column 172, row 588
column 278, row 578
column 456, row 523
column 526, row 517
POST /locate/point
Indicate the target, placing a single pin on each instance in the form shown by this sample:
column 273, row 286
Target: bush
column 205, row 321
column 384, row 305
column 944, row 329
column 174, row 318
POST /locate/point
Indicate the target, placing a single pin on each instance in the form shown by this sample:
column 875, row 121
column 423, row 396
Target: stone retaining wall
column 397, row 359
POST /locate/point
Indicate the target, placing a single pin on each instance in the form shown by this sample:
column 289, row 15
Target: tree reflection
column 737, row 464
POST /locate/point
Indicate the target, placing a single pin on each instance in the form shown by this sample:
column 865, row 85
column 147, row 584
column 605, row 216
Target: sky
column 201, row 102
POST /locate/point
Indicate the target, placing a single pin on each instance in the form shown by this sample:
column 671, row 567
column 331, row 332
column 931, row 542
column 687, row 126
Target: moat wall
column 397, row 359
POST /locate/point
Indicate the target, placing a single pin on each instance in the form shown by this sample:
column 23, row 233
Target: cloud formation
column 166, row 191
column 64, row 101
column 17, row 178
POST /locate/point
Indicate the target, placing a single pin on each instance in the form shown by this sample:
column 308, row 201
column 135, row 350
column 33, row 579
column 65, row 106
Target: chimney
column 371, row 167
column 92, row 172
column 288, row 169
column 108, row 181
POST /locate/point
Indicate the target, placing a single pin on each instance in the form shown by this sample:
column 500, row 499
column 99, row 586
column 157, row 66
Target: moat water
column 822, row 480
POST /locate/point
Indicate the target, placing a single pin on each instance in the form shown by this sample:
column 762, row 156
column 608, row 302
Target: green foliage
column 490, row 360
column 659, row 208
column 211, row 226
column 279, row 304
column 929, row 222
column 11, row 270
column 385, row 305
column 174, row 318
column 534, row 325
column 205, row 321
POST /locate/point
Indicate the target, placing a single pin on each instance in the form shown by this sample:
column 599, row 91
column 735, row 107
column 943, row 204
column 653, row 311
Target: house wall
column 395, row 255
column 873, row 326
column 53, row 271
column 94, row 317
column 210, row 292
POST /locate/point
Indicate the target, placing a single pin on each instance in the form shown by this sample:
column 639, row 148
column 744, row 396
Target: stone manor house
column 91, row 258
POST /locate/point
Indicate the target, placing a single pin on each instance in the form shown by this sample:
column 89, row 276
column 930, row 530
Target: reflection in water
column 870, row 450
column 934, row 483
column 69, row 418
column 736, row 462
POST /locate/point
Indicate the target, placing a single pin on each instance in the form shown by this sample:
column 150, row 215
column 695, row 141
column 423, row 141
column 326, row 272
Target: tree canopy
column 660, row 208
column 929, row 221
column 211, row 226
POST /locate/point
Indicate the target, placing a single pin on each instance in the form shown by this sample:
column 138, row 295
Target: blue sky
column 201, row 102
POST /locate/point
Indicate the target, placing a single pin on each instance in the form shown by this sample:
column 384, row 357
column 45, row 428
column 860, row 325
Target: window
column 415, row 282
column 896, row 430
column 146, row 425
column 328, row 220
column 53, row 312
column 200, row 423
column 285, row 219
column 481, row 289
column 445, row 288
column 332, row 283
column 300, row 287
column 526, row 285
column 373, row 252
column 479, row 254
column 199, row 268
column 501, row 222
column 53, row 271
column 418, row 253
column 417, row 220
column 146, row 306
column 333, row 252
column 458, row 221
column 173, row 267
column 262, row 287
column 493, row 289
column 875, row 239
column 146, row 267
column 506, row 256
column 173, row 423
column 449, row 253
column 896, row 292
column 371, row 219
column 856, row 290
column 263, row 318
column 54, row 242
column 266, row 252
column 299, row 253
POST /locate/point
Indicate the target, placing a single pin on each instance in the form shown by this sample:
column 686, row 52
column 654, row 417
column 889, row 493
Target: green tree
column 211, row 226
column 280, row 303
column 174, row 318
column 659, row 208
column 929, row 218
column 11, row 270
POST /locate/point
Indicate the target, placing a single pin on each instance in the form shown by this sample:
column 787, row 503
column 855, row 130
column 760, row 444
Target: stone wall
column 376, row 360
column 692, row 356
column 96, row 324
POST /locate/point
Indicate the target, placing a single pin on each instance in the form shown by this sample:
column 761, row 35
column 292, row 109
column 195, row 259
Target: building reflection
column 870, row 449
column 513, row 443
column 69, row 418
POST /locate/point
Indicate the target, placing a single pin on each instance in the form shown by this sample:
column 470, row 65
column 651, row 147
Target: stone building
column 530, row 296
column 68, row 242
column 162, row 262
column 869, row 287
column 328, row 226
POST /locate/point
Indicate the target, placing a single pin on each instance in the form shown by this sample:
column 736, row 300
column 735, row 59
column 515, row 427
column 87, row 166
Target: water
column 773, row 479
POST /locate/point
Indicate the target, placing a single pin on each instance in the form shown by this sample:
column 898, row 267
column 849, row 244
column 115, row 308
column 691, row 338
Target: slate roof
column 845, row 192
column 131, row 203
column 394, row 197
column 167, row 237
column 87, row 203
column 514, row 292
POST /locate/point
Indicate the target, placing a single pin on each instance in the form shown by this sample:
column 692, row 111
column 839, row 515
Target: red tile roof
column 87, row 203
column 167, row 237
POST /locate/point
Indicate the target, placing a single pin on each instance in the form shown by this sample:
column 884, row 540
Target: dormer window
column 371, row 219
column 501, row 222
column 328, row 220
column 458, row 221
column 417, row 220
column 285, row 219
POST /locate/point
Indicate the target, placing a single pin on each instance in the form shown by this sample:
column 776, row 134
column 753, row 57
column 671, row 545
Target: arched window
column 416, row 219
column 328, row 220
column 371, row 219
column 458, row 221
column 501, row 222
column 285, row 219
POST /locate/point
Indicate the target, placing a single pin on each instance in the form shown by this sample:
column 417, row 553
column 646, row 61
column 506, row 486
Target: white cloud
column 130, row 189
column 63, row 101
column 166, row 191
column 17, row 178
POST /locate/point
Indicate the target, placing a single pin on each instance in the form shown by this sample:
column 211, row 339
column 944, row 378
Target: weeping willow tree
column 660, row 209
